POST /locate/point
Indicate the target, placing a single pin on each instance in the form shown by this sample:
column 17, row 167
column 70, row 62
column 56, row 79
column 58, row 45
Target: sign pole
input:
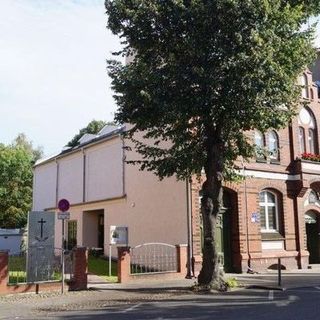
column 109, row 259
column 62, row 257
column 63, row 206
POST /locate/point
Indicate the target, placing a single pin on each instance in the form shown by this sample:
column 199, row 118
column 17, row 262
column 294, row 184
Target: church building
column 273, row 213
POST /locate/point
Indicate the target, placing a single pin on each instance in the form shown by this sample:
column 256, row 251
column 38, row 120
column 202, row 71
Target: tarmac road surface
column 174, row 300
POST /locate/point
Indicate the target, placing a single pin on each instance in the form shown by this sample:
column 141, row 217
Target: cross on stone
column 41, row 230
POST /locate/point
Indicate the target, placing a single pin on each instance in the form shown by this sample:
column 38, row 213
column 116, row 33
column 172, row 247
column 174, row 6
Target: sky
column 53, row 78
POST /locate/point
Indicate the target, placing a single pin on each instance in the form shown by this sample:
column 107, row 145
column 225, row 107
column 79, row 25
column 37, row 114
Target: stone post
column 80, row 269
column 123, row 264
column 182, row 258
column 4, row 272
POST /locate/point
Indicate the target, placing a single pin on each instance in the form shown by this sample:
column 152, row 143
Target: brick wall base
column 124, row 267
column 79, row 281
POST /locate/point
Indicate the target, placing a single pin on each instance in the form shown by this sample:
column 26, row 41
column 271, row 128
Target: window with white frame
column 304, row 86
column 302, row 142
column 273, row 145
column 311, row 140
column 268, row 211
column 313, row 197
column 307, row 131
column 259, row 144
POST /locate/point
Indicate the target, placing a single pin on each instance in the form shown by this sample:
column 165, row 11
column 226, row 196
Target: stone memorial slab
column 40, row 258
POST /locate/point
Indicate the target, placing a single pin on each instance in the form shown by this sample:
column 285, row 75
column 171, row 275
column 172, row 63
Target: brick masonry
column 289, row 181
column 79, row 281
column 125, row 276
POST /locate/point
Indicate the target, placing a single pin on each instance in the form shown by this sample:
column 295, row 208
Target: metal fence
column 38, row 266
column 153, row 258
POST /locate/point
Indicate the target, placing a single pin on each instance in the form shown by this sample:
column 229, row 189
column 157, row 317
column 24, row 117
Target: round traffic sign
column 63, row 205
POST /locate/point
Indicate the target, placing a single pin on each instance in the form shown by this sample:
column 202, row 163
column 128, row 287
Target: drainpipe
column 123, row 166
column 84, row 176
column 246, row 214
column 189, row 229
column 57, row 182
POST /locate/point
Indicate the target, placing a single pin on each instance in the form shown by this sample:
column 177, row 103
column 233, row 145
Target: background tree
column 21, row 141
column 93, row 127
column 203, row 73
column 16, row 161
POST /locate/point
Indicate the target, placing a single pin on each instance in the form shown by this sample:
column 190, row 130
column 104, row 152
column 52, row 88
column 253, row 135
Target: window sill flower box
column 310, row 157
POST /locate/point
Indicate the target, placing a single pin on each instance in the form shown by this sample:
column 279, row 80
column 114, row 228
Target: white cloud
column 53, row 77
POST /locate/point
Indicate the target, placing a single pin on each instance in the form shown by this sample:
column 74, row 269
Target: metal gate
column 153, row 258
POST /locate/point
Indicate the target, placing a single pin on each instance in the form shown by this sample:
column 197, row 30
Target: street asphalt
column 257, row 297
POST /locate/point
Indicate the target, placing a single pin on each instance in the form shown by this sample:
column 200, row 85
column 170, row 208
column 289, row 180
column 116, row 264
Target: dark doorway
column 72, row 234
column 101, row 231
column 224, row 233
column 93, row 229
column 312, row 232
column 227, row 234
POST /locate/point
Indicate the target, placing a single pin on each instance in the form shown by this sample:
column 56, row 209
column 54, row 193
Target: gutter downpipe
column 189, row 230
column 247, row 222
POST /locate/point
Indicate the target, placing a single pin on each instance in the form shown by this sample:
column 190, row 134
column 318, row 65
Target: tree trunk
column 211, row 276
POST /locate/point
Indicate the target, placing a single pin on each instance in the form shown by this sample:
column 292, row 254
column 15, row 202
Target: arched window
column 307, row 132
column 311, row 140
column 302, row 140
column 273, row 145
column 313, row 197
column 304, row 86
column 269, row 219
column 259, row 144
column 311, row 94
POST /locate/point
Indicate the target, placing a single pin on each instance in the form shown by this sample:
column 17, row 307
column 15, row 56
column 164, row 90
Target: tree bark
column 211, row 276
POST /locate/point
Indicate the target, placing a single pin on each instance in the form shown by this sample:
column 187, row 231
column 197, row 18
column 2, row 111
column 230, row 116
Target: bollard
column 279, row 272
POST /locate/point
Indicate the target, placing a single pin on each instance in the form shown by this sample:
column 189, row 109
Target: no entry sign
column 63, row 205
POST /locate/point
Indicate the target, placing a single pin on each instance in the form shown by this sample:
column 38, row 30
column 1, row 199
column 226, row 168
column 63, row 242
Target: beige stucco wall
column 44, row 186
column 153, row 210
column 70, row 178
column 104, row 171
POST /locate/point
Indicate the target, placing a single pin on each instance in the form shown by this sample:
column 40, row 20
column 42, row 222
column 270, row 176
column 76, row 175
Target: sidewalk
column 289, row 279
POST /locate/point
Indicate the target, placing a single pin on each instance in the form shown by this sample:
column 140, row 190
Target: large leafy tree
column 21, row 141
column 202, row 74
column 16, row 161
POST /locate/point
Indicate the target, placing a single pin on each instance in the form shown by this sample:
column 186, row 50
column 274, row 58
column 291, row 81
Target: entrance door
column 223, row 234
column 101, row 231
column 312, row 232
column 313, row 242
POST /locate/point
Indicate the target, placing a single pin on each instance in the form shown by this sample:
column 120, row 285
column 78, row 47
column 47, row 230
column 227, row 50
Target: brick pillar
column 4, row 273
column 182, row 258
column 123, row 264
column 80, row 269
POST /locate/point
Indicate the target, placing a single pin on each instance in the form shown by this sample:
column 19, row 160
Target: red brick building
column 275, row 211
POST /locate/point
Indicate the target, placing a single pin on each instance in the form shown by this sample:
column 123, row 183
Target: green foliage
column 16, row 177
column 203, row 73
column 17, row 270
column 93, row 127
column 100, row 266
column 21, row 141
column 206, row 71
column 232, row 283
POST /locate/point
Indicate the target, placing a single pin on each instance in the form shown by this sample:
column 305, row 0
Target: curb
column 266, row 287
